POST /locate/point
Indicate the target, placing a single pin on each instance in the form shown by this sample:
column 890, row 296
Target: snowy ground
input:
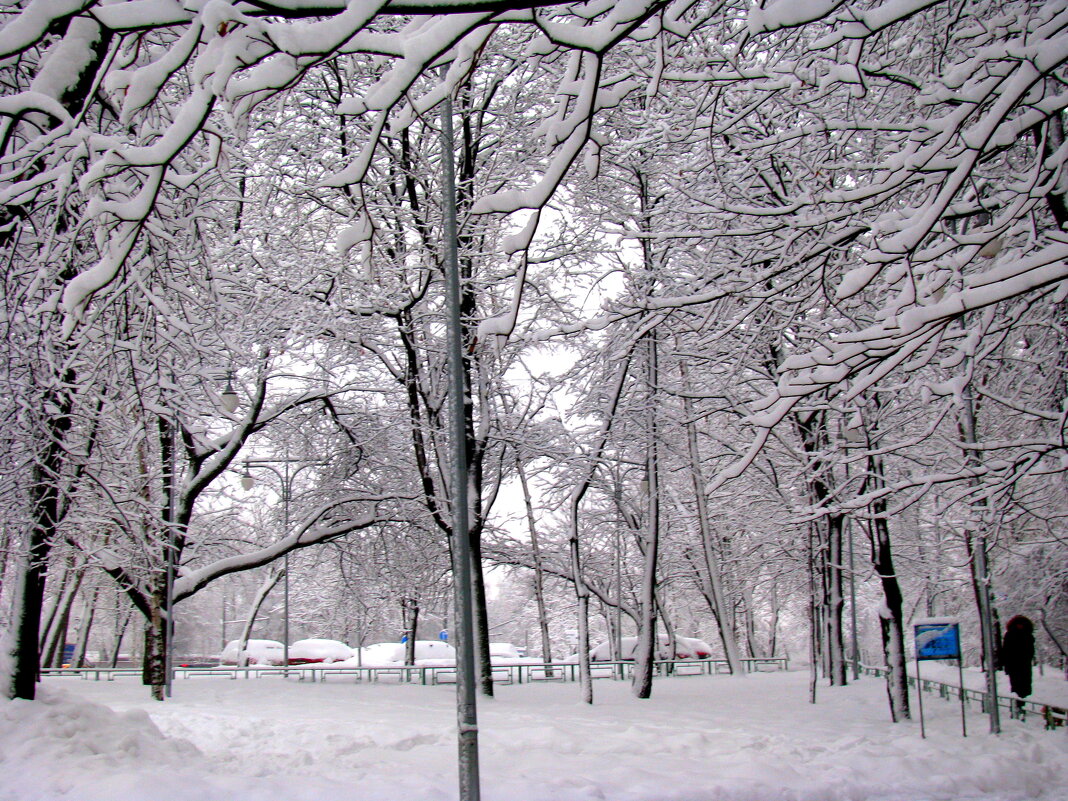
column 701, row 738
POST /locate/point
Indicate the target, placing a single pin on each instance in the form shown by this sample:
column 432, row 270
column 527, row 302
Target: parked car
column 314, row 651
column 392, row 653
column 258, row 652
column 504, row 650
column 197, row 661
column 685, row 648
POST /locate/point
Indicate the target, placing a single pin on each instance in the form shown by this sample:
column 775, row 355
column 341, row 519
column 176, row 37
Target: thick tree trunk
column 835, row 603
column 891, row 619
column 154, row 664
column 410, row 611
column 644, row 653
column 482, row 633
column 812, row 429
column 45, row 503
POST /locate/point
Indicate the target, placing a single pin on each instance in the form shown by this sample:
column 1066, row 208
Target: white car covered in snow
column 257, row 652
column 388, row 654
column 685, row 648
column 315, row 651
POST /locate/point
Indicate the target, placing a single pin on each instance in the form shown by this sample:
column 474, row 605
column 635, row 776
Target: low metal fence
column 435, row 674
column 1052, row 716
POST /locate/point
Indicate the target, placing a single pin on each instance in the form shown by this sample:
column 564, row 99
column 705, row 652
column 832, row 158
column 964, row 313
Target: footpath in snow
column 700, row 738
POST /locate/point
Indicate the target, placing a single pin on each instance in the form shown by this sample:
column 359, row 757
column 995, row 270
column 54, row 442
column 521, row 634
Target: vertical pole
column 465, row 686
column 963, row 720
column 981, row 568
column 919, row 698
column 286, row 491
column 619, row 576
column 855, row 656
column 987, row 626
column 172, row 510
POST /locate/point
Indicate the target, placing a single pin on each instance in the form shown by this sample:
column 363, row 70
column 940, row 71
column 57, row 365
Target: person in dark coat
column 1016, row 655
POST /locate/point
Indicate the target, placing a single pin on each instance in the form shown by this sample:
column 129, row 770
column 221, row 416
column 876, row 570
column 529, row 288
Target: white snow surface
column 700, row 738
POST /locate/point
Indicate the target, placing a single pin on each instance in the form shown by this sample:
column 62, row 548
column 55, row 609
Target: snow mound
column 49, row 745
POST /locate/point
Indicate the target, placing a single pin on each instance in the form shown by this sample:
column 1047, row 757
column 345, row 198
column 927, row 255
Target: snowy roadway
column 701, row 738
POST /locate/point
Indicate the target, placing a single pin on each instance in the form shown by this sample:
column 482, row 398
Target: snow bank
column 62, row 747
column 700, row 738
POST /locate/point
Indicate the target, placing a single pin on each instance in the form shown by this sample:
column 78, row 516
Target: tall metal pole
column 980, row 566
column 286, row 478
column 172, row 512
column 467, row 718
column 286, row 491
column 855, row 656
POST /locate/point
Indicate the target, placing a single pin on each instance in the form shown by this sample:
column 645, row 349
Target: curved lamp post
column 286, row 477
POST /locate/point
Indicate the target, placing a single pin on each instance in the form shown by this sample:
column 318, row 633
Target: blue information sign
column 937, row 641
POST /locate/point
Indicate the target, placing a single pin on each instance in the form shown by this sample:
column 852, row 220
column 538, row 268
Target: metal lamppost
column 466, row 713
column 286, row 477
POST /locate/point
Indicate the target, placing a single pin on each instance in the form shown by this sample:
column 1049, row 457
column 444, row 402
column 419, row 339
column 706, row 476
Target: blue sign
column 404, row 638
column 937, row 641
column 444, row 635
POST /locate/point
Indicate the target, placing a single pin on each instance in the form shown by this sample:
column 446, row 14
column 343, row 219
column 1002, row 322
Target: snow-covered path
column 707, row 738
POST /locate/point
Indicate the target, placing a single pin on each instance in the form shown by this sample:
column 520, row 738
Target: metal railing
column 436, row 674
column 1052, row 716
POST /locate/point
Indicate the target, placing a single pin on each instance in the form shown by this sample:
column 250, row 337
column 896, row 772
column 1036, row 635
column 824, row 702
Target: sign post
column 938, row 638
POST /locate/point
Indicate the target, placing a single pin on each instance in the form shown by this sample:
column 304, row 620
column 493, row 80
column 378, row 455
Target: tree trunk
column 582, row 593
column 154, row 664
column 891, row 619
column 644, row 653
column 410, row 612
column 711, row 578
column 45, row 503
column 976, row 543
column 56, row 637
column 83, row 631
column 120, row 632
column 539, row 571
column 273, row 576
column 827, row 561
column 756, row 649
column 835, row 604
column 52, row 607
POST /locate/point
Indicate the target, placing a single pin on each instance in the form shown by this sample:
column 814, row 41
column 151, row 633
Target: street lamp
column 229, row 398
column 286, row 477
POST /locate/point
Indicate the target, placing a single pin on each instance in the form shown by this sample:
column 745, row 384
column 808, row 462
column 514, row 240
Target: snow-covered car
column 258, row 652
column 504, row 650
column 685, row 648
column 392, row 653
column 313, row 651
